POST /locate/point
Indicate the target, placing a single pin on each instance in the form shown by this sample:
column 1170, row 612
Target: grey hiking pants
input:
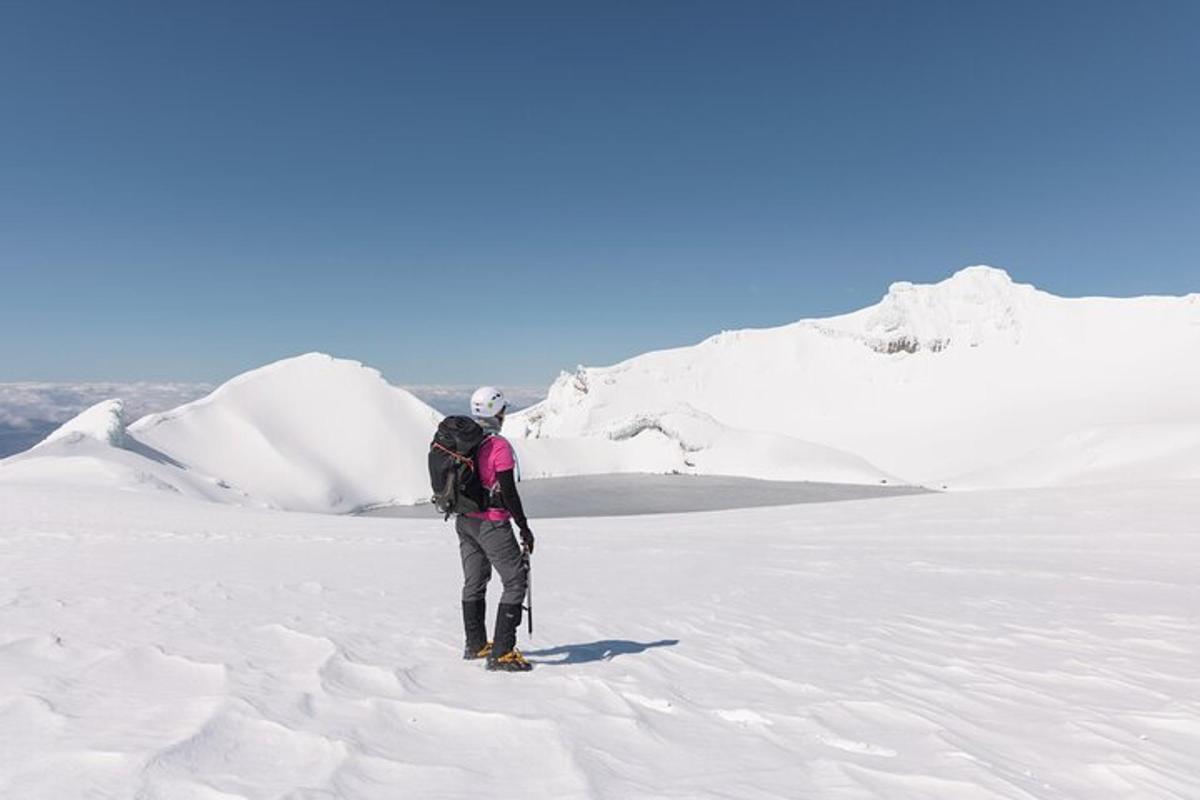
column 484, row 544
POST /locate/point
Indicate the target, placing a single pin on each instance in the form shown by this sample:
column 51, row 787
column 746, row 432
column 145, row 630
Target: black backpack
column 452, row 470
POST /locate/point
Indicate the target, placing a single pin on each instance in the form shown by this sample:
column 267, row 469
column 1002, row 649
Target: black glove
column 527, row 539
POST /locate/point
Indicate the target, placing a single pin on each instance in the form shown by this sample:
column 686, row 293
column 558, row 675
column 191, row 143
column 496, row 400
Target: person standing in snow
column 486, row 541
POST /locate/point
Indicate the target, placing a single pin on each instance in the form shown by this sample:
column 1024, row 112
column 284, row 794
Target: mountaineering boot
column 475, row 626
column 504, row 656
column 512, row 661
column 472, row 654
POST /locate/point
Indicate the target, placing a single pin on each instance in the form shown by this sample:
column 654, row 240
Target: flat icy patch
column 622, row 495
column 1016, row 645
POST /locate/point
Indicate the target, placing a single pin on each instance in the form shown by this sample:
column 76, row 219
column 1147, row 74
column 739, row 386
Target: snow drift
column 932, row 382
column 311, row 433
column 957, row 646
column 94, row 449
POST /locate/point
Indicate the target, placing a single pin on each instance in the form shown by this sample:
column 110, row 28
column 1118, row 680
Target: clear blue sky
column 492, row 191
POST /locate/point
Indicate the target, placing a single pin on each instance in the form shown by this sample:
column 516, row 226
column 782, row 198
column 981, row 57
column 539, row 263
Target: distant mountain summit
column 932, row 382
column 972, row 307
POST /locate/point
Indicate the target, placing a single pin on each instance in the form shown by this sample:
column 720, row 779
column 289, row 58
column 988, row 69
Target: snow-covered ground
column 1017, row 644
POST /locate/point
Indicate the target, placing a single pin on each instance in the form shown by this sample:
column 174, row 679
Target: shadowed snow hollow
column 933, row 381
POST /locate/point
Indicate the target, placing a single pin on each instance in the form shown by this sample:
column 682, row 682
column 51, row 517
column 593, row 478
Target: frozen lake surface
column 622, row 495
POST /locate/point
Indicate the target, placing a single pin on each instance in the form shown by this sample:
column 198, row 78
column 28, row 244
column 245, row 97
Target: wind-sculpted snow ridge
column 311, row 433
column 104, row 422
column 31, row 410
column 1013, row 645
column 95, row 450
column 933, row 382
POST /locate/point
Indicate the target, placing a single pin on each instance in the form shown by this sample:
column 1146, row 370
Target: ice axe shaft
column 529, row 592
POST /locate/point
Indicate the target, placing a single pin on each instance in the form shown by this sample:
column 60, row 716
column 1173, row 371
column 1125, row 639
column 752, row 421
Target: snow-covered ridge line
column 976, row 375
column 248, row 377
column 933, row 381
column 104, row 422
column 310, row 433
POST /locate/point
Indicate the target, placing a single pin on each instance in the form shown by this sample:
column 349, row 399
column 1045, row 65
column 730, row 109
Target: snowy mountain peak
column 312, row 433
column 977, row 275
column 934, row 381
column 309, row 433
column 973, row 306
column 310, row 377
column 104, row 422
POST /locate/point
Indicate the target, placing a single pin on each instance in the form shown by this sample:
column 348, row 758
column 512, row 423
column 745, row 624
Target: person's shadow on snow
column 605, row 650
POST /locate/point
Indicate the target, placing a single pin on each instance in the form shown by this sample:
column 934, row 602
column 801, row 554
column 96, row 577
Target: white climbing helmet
column 487, row 401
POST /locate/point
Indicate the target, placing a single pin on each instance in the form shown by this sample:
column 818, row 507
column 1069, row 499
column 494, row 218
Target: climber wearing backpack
column 472, row 469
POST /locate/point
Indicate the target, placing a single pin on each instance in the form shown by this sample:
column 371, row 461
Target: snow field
column 1032, row 644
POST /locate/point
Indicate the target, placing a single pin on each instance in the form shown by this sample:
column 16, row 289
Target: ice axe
column 528, row 588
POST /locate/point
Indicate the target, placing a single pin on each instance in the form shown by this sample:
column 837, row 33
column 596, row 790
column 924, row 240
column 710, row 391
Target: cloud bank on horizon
column 28, row 404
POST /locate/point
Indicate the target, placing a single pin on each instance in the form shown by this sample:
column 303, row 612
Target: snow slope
column 931, row 383
column 311, row 433
column 683, row 440
column 1027, row 645
column 1110, row 454
column 95, row 449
